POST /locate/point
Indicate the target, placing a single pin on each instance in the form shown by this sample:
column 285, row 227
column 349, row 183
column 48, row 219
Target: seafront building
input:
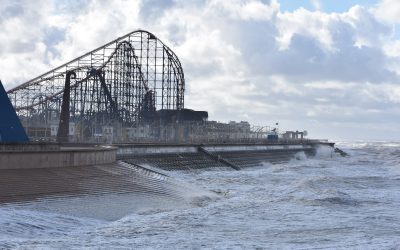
column 160, row 131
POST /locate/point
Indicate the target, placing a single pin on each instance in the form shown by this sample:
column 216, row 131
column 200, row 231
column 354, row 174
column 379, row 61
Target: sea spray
column 323, row 152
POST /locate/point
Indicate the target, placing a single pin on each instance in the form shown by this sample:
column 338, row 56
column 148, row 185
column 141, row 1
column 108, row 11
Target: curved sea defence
column 36, row 171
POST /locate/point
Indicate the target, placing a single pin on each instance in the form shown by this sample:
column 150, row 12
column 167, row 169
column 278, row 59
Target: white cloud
column 22, row 48
column 242, row 59
column 246, row 10
column 101, row 22
column 388, row 11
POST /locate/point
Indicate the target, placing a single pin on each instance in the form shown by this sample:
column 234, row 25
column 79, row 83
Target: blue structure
column 11, row 129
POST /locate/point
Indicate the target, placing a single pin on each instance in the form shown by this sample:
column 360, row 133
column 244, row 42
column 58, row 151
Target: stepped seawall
column 31, row 172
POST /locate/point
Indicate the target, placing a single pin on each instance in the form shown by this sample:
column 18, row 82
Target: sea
column 323, row 202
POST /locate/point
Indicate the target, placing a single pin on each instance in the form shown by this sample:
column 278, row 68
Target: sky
column 330, row 67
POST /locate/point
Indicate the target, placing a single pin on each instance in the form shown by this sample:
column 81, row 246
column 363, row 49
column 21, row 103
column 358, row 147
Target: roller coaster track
column 136, row 59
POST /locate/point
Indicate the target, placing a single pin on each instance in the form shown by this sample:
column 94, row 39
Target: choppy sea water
column 316, row 203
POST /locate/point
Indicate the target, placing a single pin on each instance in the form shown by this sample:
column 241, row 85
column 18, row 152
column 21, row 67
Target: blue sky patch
column 328, row 6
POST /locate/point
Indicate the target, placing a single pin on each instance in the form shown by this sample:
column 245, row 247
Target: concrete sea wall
column 51, row 171
column 19, row 156
column 125, row 150
column 31, row 156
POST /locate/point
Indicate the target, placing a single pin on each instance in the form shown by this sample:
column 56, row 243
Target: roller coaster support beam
column 63, row 128
column 103, row 84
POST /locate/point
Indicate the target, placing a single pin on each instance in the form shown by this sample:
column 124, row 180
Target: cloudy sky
column 331, row 67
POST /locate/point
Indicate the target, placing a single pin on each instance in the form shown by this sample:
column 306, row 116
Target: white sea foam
column 324, row 152
column 323, row 202
column 301, row 156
